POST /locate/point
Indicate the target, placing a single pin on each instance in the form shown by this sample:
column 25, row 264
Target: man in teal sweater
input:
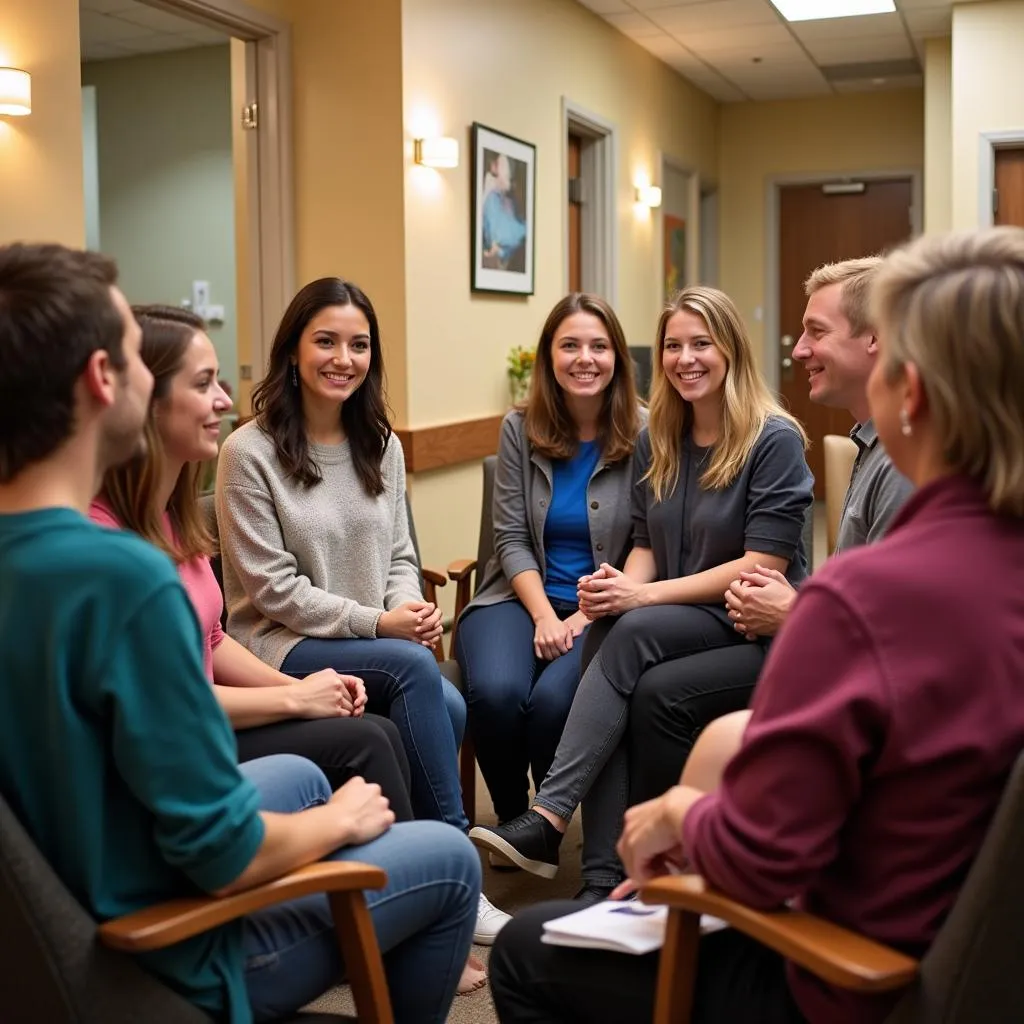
column 113, row 751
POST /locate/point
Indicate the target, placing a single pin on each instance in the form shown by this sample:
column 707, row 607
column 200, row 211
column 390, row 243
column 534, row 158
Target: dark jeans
column 341, row 748
column 403, row 682
column 518, row 703
column 739, row 981
column 592, row 764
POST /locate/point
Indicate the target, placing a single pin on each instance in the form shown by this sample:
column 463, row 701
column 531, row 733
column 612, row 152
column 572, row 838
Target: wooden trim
column 450, row 443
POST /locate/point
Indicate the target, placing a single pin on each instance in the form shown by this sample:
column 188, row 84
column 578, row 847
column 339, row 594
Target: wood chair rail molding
column 448, row 444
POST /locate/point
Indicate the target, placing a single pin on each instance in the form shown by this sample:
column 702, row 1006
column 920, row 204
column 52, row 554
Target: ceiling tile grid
column 122, row 28
column 745, row 50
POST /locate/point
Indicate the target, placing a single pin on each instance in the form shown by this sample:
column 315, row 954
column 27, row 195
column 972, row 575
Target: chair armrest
column 167, row 923
column 831, row 952
column 461, row 569
column 438, row 579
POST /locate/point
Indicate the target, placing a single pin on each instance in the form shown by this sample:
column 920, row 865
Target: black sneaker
column 529, row 841
column 591, row 893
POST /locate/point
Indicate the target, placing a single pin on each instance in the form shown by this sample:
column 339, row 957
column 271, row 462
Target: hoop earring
column 295, row 376
column 905, row 428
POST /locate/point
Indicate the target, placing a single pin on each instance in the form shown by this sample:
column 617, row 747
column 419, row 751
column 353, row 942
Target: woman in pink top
column 319, row 717
column 890, row 710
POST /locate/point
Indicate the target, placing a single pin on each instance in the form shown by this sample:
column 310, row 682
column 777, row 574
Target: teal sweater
column 113, row 751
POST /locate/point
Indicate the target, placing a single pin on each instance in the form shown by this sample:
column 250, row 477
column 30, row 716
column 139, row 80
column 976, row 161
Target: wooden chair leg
column 677, row 969
column 467, row 777
column 363, row 965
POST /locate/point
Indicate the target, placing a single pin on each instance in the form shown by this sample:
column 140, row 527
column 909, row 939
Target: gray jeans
column 591, row 764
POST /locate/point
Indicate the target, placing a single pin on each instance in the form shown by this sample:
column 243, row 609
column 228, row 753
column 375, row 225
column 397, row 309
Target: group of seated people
column 645, row 559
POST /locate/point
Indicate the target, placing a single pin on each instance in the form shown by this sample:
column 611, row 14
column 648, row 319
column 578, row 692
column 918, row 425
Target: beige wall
column 41, row 196
column 938, row 135
column 508, row 66
column 829, row 137
column 988, row 91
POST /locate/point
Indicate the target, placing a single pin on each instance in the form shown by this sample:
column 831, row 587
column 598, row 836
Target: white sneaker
column 489, row 921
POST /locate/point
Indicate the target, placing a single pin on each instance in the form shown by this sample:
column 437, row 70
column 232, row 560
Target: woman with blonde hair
column 891, row 709
column 561, row 507
column 721, row 485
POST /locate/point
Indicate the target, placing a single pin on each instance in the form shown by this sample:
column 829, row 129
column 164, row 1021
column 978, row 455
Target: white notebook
column 622, row 927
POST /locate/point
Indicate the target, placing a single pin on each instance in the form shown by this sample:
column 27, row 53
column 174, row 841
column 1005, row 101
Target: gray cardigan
column 522, row 496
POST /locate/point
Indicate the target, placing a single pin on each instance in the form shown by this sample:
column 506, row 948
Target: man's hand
column 609, row 591
column 652, row 835
column 759, row 602
column 364, row 810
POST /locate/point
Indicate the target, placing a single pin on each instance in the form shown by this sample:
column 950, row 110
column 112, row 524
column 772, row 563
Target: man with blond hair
column 838, row 348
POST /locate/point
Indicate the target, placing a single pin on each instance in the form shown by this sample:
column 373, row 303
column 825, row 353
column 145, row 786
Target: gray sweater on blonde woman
column 322, row 561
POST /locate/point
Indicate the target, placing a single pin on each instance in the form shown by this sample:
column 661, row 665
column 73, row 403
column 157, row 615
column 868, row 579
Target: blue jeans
column 403, row 683
column 518, row 702
column 423, row 918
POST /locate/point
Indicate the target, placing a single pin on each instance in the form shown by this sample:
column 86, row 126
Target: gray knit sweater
column 322, row 561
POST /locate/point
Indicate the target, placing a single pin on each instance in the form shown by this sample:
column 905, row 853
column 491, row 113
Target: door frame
column 773, row 189
column 988, row 143
column 270, row 251
column 598, row 226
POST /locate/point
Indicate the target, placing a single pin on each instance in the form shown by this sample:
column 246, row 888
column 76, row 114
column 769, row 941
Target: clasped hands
column 759, row 602
column 608, row 591
column 419, row 621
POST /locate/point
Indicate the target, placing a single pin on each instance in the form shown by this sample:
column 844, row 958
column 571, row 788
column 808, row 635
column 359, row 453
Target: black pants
column 739, row 981
column 681, row 667
column 342, row 748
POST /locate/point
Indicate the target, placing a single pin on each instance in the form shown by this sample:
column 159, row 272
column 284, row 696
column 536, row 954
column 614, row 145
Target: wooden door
column 817, row 227
column 575, row 216
column 1009, row 182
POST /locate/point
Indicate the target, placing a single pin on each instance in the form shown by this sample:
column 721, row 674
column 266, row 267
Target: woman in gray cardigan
column 561, row 507
column 721, row 485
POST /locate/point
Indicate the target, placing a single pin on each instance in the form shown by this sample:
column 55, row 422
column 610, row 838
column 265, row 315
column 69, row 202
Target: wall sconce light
column 648, row 195
column 436, row 152
column 15, row 92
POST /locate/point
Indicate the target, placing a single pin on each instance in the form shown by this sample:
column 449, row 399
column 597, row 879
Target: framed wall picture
column 674, row 265
column 504, row 212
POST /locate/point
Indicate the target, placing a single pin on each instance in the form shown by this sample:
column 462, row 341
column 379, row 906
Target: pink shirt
column 885, row 724
column 197, row 578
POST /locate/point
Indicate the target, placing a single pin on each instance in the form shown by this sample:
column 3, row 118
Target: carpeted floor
column 509, row 890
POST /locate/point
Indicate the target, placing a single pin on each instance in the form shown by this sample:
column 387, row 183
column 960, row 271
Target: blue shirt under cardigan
column 567, row 550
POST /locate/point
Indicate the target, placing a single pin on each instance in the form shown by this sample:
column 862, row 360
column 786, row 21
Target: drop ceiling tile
column 607, row 6
column 719, row 15
column 157, row 21
column 102, row 28
column 837, row 28
column 734, row 66
column 666, row 48
column 106, row 6
column 930, row 21
column 854, row 50
column 653, row 5
column 207, row 36
column 715, row 85
column 869, row 85
column 634, row 25
column 753, row 40
column 914, row 5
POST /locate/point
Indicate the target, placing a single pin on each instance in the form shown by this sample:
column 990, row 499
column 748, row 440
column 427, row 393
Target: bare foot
column 474, row 976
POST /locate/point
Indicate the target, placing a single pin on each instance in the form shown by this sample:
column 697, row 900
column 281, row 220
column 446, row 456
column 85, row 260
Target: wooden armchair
column 55, row 970
column 971, row 972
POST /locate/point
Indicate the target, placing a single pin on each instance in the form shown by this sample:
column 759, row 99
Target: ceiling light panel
column 818, row 10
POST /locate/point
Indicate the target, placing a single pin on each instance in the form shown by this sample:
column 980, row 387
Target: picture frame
column 503, row 221
column 674, row 255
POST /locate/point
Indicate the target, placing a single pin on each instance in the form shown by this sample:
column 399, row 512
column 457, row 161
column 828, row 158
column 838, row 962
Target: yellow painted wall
column 41, row 195
column 988, row 91
column 830, row 137
column 347, row 122
column 938, row 135
column 508, row 65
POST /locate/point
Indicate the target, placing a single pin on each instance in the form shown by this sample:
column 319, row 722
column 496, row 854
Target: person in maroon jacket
column 891, row 707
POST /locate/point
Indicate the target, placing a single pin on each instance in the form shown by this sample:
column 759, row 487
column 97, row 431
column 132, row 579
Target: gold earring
column 905, row 428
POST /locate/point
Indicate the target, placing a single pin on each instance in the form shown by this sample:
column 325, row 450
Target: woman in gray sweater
column 561, row 507
column 319, row 566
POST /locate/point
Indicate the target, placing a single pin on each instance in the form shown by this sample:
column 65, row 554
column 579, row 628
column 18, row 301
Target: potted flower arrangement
column 520, row 367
